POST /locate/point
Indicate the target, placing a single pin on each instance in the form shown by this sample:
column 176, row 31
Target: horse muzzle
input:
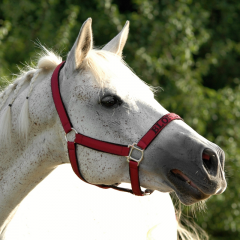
column 191, row 166
column 201, row 179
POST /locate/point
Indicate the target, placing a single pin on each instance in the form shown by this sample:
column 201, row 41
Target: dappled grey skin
column 172, row 162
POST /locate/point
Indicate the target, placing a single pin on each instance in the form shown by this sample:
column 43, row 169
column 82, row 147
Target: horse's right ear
column 81, row 47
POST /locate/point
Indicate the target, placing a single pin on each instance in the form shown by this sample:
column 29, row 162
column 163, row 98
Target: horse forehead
column 127, row 86
column 119, row 80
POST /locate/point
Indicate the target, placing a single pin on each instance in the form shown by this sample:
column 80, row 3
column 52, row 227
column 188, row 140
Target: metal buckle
column 72, row 129
column 129, row 157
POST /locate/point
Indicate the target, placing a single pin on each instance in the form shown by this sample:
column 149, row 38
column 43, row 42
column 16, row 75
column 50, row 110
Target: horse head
column 105, row 100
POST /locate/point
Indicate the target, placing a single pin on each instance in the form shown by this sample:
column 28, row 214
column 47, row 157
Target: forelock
column 111, row 72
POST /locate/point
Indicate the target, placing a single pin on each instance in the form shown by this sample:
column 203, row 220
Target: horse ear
column 82, row 45
column 117, row 44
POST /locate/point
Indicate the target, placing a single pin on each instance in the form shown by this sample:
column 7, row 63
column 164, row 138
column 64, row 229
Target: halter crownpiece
column 107, row 147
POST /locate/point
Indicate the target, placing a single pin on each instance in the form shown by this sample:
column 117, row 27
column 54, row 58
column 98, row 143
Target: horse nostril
column 206, row 161
column 205, row 157
column 209, row 161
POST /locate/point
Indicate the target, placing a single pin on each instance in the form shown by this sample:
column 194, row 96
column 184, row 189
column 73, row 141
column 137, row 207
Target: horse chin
column 186, row 190
column 187, row 199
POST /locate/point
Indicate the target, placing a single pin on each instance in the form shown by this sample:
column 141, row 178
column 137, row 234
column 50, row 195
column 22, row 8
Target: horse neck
column 24, row 163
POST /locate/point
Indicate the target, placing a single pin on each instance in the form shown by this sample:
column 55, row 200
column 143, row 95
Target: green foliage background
column 189, row 48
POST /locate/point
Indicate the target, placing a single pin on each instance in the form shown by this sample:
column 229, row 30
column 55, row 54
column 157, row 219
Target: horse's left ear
column 81, row 47
column 117, row 44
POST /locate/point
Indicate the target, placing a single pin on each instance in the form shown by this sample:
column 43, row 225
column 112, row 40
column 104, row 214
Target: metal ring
column 72, row 129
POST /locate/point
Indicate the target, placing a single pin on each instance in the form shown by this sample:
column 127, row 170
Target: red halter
column 112, row 148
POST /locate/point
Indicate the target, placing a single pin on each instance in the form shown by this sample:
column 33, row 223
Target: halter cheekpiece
column 107, row 147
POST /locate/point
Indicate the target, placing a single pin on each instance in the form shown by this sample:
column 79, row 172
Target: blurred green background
column 189, row 48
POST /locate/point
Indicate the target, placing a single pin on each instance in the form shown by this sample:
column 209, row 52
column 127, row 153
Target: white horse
column 105, row 100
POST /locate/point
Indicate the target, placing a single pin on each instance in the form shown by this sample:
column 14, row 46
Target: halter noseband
column 112, row 148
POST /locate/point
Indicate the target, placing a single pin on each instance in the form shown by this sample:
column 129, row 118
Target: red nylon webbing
column 102, row 146
column 72, row 156
column 74, row 163
column 156, row 129
column 58, row 100
column 134, row 177
column 144, row 143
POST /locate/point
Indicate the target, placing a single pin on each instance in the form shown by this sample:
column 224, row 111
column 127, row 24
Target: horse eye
column 111, row 101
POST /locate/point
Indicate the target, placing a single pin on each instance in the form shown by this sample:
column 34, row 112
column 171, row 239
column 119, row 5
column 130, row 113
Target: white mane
column 47, row 62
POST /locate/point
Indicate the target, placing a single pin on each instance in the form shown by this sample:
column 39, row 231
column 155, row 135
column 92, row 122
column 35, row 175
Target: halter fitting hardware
column 72, row 129
column 129, row 157
column 107, row 147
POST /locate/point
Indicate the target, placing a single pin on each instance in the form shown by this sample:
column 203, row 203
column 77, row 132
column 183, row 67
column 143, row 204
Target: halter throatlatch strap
column 107, row 147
